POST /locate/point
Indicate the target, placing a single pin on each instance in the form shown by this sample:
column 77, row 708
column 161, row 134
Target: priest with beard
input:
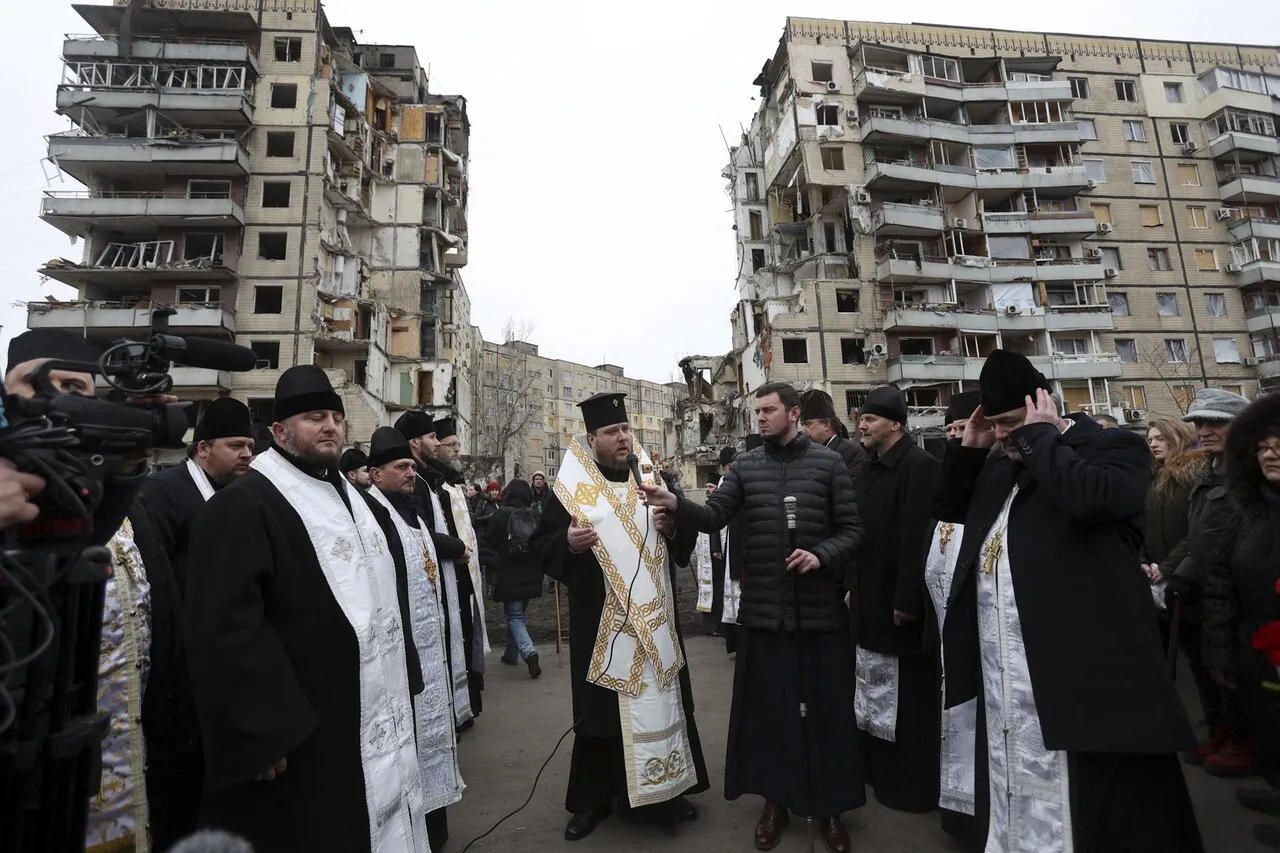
column 956, row 763
column 220, row 452
column 635, row 739
column 1049, row 627
column 300, row 659
column 393, row 475
column 354, row 465
column 460, row 559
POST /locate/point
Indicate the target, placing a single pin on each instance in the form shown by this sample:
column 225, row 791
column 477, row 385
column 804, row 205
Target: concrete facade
column 908, row 198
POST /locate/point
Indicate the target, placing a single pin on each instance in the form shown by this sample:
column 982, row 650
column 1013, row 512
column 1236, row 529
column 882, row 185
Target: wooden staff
column 1175, row 622
column 555, row 586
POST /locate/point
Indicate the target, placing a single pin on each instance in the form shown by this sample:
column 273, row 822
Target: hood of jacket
column 1182, row 469
column 517, row 495
column 1244, row 478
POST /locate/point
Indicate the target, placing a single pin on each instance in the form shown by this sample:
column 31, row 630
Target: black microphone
column 789, row 507
column 204, row 353
column 633, row 463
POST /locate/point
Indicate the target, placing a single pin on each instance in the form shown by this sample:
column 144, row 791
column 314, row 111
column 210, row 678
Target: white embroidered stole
column 703, row 571
column 118, row 812
column 467, row 533
column 959, row 724
column 442, row 783
column 357, row 564
column 1030, row 788
column 201, row 479
column 732, row 588
column 448, row 588
column 637, row 651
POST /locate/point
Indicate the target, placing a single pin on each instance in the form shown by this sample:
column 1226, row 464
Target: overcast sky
column 597, row 208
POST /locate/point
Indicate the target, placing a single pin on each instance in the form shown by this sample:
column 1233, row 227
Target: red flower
column 1267, row 640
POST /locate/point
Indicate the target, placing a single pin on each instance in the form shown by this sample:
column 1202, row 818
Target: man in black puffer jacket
column 767, row 748
column 515, row 574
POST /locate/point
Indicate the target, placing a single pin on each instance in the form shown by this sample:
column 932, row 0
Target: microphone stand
column 789, row 506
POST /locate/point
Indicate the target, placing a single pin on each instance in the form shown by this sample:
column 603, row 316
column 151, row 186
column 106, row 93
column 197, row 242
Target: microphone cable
column 626, row 619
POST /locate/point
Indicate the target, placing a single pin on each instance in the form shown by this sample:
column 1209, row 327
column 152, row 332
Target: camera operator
column 140, row 599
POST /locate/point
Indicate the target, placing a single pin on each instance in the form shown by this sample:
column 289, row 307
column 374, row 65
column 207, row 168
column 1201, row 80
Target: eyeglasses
column 1271, row 446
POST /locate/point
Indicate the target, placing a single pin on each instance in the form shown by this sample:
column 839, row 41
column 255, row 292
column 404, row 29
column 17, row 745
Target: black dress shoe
column 584, row 823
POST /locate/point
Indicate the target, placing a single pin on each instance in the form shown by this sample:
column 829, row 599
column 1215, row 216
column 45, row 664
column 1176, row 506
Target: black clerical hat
column 59, row 344
column 962, row 406
column 1007, row 379
column 886, row 402
column 226, row 417
column 754, row 440
column 816, row 405
column 446, row 428
column 727, row 455
column 352, row 459
column 603, row 409
column 304, row 388
column 388, row 445
column 415, row 425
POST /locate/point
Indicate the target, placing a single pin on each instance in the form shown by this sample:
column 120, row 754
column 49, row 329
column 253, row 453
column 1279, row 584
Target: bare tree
column 510, row 402
column 1173, row 365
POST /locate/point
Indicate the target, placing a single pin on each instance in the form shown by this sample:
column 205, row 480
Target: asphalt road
column 523, row 720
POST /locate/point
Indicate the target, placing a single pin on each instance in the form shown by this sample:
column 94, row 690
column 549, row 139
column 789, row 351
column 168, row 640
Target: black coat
column 431, row 478
column 827, row 525
column 274, row 668
column 895, row 495
column 851, row 452
column 482, row 510
column 174, row 502
column 1075, row 532
column 595, row 709
column 515, row 577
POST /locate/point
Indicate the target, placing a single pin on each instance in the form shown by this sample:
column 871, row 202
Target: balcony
column 193, row 378
column 186, row 17
column 941, row 317
column 84, row 157
column 1026, row 133
column 1094, row 365
column 1269, row 368
column 917, row 176
column 188, row 95
column 1062, row 223
column 115, row 319
column 143, row 264
column 1256, row 272
column 889, row 84
column 911, row 270
column 1253, row 189
column 1008, row 270
column 960, row 319
column 1039, row 90
column 956, row 368
column 1251, row 145
column 77, row 213
column 1263, row 229
column 907, row 220
column 883, row 127
column 95, row 46
column 977, row 268
column 1263, row 319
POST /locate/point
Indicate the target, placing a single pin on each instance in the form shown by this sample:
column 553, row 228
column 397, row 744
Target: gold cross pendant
column 944, row 536
column 992, row 552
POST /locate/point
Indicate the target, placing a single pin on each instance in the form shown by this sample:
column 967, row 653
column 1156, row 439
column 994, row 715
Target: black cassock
column 597, row 772
column 275, row 670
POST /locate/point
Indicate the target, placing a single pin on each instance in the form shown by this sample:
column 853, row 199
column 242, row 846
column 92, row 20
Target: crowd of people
column 293, row 629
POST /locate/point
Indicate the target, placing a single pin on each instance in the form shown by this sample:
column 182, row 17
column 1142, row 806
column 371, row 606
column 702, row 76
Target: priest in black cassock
column 635, row 737
column 299, row 660
column 220, row 452
column 434, row 497
column 792, row 637
column 1050, row 628
column 895, row 638
column 354, row 465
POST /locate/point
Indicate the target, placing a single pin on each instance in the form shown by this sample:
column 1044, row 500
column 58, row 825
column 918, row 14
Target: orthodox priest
column 220, row 452
column 635, row 737
column 354, row 465
column 393, row 474
column 460, row 559
column 956, row 763
column 793, row 648
column 895, row 642
column 301, row 671
column 1050, row 627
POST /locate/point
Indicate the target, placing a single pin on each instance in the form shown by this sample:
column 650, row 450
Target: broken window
column 854, row 400
column 756, row 222
column 268, row 354
column 833, row 159
column 198, row 247
column 795, row 351
column 288, row 50
column 829, row 236
column 847, row 301
column 268, row 299
column 208, row 189
column 757, row 260
column 360, row 371
column 820, row 72
column 853, row 350
column 435, row 128
column 915, row 346
column 753, row 186
column 275, row 193
column 199, row 295
column 280, row 143
column 273, row 245
column 1167, row 305
column 386, row 60
column 829, row 115
column 284, row 96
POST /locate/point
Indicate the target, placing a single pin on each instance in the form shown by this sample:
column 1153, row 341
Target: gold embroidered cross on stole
column 991, row 551
column 944, row 536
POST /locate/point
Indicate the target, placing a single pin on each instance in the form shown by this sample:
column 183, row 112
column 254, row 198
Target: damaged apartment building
column 908, row 198
column 276, row 184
